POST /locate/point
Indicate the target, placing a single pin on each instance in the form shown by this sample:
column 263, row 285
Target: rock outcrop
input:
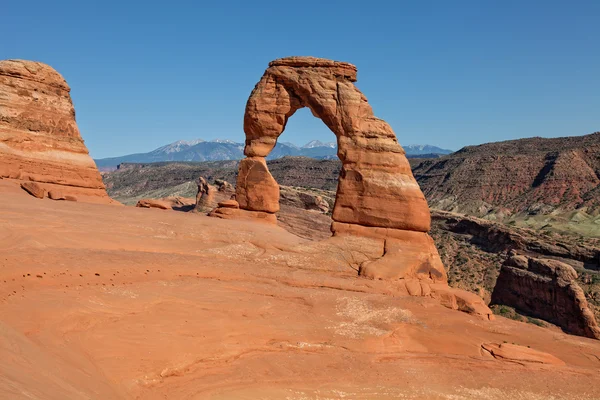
column 546, row 289
column 154, row 203
column 376, row 187
column 224, row 186
column 519, row 354
column 204, row 197
column 34, row 189
column 256, row 189
column 377, row 195
column 39, row 138
column 307, row 199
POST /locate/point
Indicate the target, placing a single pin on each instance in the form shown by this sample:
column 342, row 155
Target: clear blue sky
column 447, row 73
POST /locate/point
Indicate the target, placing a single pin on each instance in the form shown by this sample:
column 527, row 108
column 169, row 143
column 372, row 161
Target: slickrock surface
column 519, row 354
column 39, row 138
column 182, row 306
column 546, row 289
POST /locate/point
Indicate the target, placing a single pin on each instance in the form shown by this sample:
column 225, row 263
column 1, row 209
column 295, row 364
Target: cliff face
column 546, row 289
column 39, row 138
column 533, row 175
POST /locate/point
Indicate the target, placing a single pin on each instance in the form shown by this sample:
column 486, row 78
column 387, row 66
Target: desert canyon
column 256, row 292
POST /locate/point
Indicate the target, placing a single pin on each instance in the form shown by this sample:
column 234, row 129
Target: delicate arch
column 376, row 187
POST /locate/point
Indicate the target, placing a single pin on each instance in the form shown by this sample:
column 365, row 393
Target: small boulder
column 151, row 203
column 56, row 195
column 34, row 189
column 229, row 204
column 224, row 186
column 70, row 198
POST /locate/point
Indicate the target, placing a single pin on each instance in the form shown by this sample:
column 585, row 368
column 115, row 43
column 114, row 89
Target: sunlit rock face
column 377, row 195
column 39, row 138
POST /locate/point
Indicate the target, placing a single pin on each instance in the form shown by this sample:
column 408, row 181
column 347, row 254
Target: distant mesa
column 39, row 138
column 525, row 176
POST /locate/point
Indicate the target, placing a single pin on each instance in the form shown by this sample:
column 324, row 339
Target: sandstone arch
column 376, row 187
column 377, row 195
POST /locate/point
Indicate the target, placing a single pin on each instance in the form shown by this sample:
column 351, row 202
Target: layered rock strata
column 204, row 197
column 377, row 194
column 39, row 138
column 531, row 176
column 545, row 289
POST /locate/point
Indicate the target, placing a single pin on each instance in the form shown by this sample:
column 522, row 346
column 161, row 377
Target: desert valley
column 299, row 278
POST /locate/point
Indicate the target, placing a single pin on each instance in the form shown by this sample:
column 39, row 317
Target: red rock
column 546, row 289
column 204, row 197
column 533, row 175
column 224, row 186
column 308, row 200
column 445, row 295
column 152, row 203
column 377, row 195
column 407, row 255
column 461, row 300
column 413, row 287
column 229, row 204
column 56, row 195
column 472, row 304
column 236, row 213
column 376, row 186
column 34, row 189
column 39, row 138
column 516, row 353
column 256, row 189
column 70, row 198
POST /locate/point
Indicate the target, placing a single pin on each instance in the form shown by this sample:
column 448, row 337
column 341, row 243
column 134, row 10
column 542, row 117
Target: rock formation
column 204, row 197
column 377, row 195
column 154, row 203
column 303, row 198
column 546, row 289
column 34, row 189
column 520, row 354
column 224, row 186
column 376, row 187
column 39, row 138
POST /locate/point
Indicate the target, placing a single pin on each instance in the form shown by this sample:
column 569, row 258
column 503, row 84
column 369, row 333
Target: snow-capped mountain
column 419, row 149
column 223, row 141
column 290, row 144
column 177, row 146
column 225, row 149
column 318, row 143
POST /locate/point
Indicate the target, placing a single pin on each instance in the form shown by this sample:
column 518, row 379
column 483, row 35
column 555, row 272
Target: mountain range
column 223, row 149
